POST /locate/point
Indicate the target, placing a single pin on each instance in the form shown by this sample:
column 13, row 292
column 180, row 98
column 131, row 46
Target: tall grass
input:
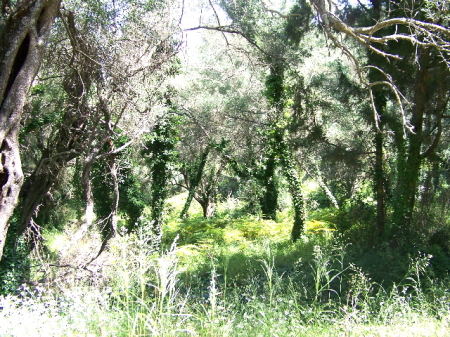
column 228, row 277
column 176, row 294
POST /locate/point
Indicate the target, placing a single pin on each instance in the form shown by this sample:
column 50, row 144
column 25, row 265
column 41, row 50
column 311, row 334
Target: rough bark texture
column 94, row 153
column 64, row 147
column 21, row 50
column 67, row 144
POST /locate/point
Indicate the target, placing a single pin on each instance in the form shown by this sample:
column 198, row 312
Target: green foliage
column 318, row 226
column 269, row 182
column 437, row 12
column 43, row 111
column 237, row 274
column 298, row 22
column 160, row 155
column 206, row 231
column 132, row 199
column 246, row 14
column 275, row 85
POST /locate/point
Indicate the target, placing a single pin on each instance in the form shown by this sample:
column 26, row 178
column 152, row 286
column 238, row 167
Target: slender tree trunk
column 318, row 178
column 159, row 193
column 22, row 45
column 379, row 184
column 110, row 229
column 269, row 201
column 209, row 193
column 116, row 197
column 379, row 175
column 380, row 105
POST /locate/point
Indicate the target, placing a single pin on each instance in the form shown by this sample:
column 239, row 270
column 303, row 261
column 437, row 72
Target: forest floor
column 229, row 276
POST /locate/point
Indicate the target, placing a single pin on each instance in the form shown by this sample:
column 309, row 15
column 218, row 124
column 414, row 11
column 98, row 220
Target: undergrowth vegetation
column 227, row 277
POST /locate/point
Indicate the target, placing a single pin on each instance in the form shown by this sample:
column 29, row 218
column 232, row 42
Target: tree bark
column 89, row 214
column 269, row 201
column 207, row 194
column 379, row 184
column 295, row 189
column 317, row 176
column 408, row 179
column 22, row 46
column 68, row 142
column 192, row 184
column 380, row 105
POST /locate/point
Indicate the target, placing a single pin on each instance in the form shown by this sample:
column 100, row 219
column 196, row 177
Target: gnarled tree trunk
column 68, row 141
column 23, row 35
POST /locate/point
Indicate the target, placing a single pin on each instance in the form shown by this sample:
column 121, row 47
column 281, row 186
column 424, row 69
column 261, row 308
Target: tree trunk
column 116, row 197
column 291, row 174
column 110, row 229
column 408, row 179
column 318, row 178
column 208, row 205
column 269, row 201
column 379, row 174
column 380, row 106
column 89, row 214
column 65, row 146
column 210, row 210
column 38, row 185
column 193, row 183
column 290, row 171
column 379, row 184
column 21, row 48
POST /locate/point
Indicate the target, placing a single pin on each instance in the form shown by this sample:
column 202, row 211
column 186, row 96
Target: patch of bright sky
column 199, row 13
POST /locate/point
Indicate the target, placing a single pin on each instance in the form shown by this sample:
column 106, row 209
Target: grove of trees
column 110, row 107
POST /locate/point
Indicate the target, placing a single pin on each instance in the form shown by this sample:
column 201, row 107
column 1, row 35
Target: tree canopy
column 110, row 107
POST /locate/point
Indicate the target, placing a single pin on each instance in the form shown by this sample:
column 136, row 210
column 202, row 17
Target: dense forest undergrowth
column 231, row 276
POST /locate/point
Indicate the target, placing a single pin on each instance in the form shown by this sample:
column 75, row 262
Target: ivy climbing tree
column 160, row 156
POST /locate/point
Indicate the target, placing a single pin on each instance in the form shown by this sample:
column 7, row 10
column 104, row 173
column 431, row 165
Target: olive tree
column 24, row 27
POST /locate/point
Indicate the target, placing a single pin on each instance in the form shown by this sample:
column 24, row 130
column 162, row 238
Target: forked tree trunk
column 192, row 183
column 22, row 44
column 208, row 204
